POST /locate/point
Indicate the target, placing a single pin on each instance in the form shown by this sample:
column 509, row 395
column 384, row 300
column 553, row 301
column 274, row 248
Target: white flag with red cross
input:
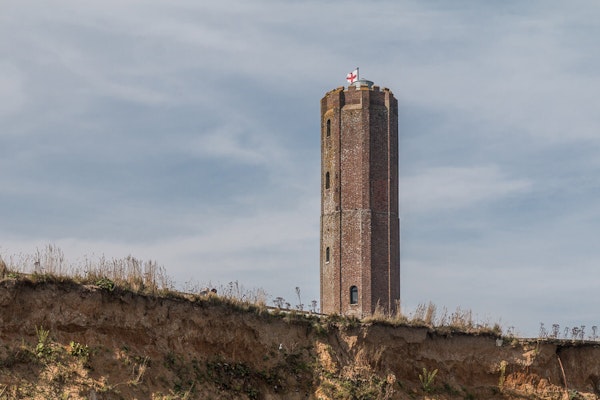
column 352, row 76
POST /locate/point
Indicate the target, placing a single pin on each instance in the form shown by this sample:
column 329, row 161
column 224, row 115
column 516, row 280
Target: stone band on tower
column 360, row 228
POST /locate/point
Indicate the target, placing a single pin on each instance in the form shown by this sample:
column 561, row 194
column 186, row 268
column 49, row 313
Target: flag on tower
column 352, row 76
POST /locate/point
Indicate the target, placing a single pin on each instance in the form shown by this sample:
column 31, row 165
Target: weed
column 320, row 329
column 574, row 395
column 252, row 393
column 543, row 334
column 3, row 270
column 502, row 378
column 79, row 350
column 188, row 373
column 234, row 377
column 359, row 385
column 106, row 284
column 427, row 379
column 43, row 349
column 279, row 302
column 555, row 331
column 350, row 322
column 139, row 369
column 299, row 306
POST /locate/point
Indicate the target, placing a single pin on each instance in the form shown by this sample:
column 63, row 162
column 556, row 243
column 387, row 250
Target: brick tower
column 360, row 228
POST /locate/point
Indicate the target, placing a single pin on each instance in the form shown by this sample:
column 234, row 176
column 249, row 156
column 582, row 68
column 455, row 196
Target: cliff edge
column 64, row 340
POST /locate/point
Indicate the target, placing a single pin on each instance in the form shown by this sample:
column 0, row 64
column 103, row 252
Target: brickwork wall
column 359, row 209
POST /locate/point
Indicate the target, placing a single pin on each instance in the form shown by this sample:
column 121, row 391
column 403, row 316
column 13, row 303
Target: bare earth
column 104, row 344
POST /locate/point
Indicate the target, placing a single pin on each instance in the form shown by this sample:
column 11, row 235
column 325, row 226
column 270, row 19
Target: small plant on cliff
column 299, row 306
column 543, row 332
column 3, row 268
column 79, row 350
column 427, row 379
column 139, row 369
column 574, row 395
column 425, row 314
column 502, row 379
column 106, row 284
column 279, row 302
column 43, row 349
column 555, row 331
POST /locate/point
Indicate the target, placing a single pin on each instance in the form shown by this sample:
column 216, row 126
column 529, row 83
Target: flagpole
column 357, row 74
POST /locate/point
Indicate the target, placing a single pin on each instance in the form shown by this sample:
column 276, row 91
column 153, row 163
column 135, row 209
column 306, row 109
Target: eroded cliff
column 103, row 344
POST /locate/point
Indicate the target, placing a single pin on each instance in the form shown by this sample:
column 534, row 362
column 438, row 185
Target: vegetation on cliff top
column 147, row 277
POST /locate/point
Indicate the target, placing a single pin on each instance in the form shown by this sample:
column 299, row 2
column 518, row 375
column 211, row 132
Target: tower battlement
column 356, row 87
column 357, row 94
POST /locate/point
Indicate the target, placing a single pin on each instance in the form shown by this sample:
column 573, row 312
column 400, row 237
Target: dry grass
column 426, row 315
column 139, row 276
column 127, row 273
column 130, row 274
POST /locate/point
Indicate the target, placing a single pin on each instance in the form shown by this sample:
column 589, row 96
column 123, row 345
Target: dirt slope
column 105, row 344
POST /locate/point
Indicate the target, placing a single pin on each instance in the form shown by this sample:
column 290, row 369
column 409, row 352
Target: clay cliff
column 64, row 340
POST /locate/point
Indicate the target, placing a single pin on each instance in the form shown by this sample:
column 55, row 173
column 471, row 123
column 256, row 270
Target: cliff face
column 64, row 340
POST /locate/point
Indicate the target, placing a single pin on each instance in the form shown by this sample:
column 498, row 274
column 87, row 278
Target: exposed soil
column 104, row 344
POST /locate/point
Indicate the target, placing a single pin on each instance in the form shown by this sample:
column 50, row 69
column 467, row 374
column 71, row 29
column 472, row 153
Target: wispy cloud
column 446, row 188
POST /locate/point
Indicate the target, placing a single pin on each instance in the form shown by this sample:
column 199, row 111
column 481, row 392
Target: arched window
column 328, row 129
column 353, row 295
column 327, row 183
column 327, row 254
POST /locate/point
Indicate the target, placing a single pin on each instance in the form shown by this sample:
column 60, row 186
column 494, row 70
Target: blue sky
column 187, row 132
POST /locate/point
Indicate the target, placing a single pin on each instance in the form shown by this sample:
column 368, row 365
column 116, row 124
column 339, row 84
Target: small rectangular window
column 353, row 295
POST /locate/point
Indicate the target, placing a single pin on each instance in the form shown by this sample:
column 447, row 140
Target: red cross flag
column 352, row 76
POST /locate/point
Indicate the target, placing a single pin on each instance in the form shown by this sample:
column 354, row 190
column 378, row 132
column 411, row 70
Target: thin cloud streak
column 446, row 188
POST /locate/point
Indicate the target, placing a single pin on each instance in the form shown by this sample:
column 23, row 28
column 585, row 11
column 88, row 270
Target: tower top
column 362, row 82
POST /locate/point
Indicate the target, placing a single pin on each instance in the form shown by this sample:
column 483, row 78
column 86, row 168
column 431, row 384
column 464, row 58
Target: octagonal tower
column 360, row 228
